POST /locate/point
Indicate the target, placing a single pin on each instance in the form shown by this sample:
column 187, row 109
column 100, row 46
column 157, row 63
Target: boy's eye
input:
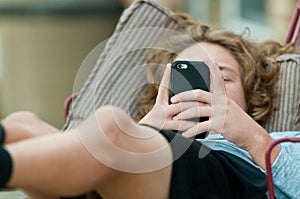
column 226, row 79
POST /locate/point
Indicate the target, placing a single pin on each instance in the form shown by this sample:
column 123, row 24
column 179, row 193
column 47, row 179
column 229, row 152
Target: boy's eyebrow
column 226, row 68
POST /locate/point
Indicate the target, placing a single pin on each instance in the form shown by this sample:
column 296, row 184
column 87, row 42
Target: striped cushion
column 287, row 117
column 120, row 70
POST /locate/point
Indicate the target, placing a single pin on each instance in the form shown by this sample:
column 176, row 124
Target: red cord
column 292, row 28
column 268, row 162
column 67, row 103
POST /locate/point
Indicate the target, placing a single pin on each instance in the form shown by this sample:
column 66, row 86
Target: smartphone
column 190, row 75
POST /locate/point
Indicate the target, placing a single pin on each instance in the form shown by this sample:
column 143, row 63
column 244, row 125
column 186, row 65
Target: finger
column 179, row 125
column 194, row 112
column 218, row 98
column 163, row 91
column 216, row 77
column 201, row 127
column 174, row 109
column 193, row 95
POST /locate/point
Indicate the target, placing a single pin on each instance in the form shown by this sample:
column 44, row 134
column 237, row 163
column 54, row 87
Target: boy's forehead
column 214, row 52
column 192, row 53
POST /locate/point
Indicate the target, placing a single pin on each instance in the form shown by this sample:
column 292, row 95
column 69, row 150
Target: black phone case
column 189, row 75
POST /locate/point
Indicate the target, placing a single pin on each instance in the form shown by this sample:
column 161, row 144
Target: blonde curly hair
column 258, row 66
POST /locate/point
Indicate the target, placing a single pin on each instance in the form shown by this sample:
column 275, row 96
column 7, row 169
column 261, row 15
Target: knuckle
column 198, row 94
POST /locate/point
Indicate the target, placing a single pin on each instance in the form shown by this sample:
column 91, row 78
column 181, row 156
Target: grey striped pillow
column 119, row 71
column 287, row 117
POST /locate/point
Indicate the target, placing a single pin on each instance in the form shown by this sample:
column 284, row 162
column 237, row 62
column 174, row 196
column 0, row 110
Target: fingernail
column 173, row 99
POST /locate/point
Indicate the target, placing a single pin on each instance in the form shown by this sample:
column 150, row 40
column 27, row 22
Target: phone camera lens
column 182, row 66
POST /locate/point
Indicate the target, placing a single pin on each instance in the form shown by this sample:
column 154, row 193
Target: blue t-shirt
column 285, row 169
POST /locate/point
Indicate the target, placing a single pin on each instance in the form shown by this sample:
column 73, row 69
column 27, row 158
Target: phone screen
column 189, row 75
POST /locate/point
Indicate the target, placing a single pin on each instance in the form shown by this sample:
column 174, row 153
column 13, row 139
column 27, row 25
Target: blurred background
column 43, row 43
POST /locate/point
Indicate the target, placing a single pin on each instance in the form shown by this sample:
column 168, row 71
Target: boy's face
column 227, row 64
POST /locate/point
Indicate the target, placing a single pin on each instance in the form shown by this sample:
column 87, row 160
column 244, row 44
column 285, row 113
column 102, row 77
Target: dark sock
column 2, row 135
column 5, row 167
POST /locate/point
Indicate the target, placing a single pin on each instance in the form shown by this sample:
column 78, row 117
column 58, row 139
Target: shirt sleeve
column 286, row 172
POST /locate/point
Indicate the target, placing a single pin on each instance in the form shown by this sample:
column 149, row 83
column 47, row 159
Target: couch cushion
column 287, row 117
column 120, row 69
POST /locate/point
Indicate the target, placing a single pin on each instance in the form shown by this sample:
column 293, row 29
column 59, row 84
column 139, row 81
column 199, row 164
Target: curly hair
column 257, row 62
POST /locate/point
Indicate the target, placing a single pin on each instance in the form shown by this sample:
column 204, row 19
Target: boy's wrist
column 258, row 147
column 145, row 120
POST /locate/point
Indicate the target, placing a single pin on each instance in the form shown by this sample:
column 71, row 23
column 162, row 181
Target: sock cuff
column 5, row 167
column 2, row 134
